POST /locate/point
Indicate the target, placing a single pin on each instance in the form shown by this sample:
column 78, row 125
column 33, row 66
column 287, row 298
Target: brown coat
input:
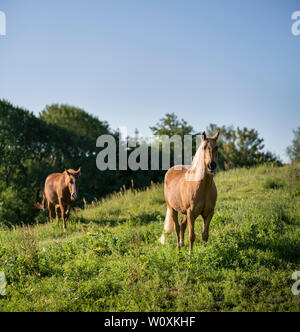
column 60, row 191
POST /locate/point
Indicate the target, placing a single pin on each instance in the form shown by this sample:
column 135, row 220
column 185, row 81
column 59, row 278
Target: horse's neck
column 197, row 172
column 197, row 175
column 63, row 181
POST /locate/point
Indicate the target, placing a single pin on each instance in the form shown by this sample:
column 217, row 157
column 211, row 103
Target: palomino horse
column 60, row 190
column 191, row 191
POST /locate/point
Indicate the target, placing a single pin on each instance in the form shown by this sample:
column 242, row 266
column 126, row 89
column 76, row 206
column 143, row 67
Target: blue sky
column 129, row 62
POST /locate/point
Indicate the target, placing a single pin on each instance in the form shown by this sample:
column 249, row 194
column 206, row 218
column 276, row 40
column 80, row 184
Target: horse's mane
column 197, row 164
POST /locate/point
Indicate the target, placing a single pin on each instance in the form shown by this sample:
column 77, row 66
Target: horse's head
column 209, row 145
column 72, row 181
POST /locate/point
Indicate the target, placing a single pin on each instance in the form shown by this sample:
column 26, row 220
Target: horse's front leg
column 205, row 229
column 68, row 211
column 191, row 224
column 63, row 216
column 182, row 229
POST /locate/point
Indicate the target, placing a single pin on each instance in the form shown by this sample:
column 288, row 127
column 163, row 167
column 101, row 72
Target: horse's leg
column 62, row 210
column 50, row 210
column 68, row 212
column 174, row 216
column 182, row 229
column 191, row 224
column 56, row 212
column 205, row 229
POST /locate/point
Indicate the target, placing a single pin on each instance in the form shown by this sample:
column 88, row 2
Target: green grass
column 110, row 260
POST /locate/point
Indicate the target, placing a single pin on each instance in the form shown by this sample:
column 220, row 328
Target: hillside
column 110, row 260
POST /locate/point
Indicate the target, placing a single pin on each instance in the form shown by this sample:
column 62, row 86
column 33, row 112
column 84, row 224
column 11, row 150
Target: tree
column 75, row 120
column 240, row 147
column 24, row 146
column 293, row 151
column 170, row 125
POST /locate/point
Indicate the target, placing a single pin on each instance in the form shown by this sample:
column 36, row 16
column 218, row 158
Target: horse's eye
column 71, row 181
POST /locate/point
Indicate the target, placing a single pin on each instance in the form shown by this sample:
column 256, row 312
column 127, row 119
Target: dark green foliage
column 170, row 125
column 237, row 147
column 25, row 143
column 240, row 147
column 273, row 183
column 77, row 122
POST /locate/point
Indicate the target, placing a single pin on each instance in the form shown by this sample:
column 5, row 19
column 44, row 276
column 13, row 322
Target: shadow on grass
column 283, row 250
column 141, row 219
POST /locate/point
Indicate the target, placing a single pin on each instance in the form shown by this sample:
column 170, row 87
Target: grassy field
column 110, row 260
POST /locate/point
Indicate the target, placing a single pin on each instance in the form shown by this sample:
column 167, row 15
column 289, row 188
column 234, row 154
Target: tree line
column 63, row 136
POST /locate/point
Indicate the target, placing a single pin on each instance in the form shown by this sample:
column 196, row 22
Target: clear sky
column 131, row 61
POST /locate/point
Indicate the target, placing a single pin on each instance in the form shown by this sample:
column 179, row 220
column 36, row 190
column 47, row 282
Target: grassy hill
column 110, row 260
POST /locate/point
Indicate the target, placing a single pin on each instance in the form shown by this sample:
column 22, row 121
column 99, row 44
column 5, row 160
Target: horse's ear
column 78, row 171
column 203, row 136
column 216, row 136
column 66, row 171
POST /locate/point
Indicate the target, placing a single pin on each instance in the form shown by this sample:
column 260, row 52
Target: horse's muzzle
column 211, row 167
column 73, row 197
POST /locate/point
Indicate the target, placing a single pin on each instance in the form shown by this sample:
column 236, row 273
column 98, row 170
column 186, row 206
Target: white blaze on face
column 74, row 189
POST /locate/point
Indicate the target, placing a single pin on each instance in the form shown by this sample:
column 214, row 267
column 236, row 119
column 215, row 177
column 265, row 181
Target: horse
column 191, row 191
column 60, row 190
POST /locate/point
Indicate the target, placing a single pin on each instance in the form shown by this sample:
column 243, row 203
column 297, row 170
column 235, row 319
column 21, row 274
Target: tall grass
column 110, row 260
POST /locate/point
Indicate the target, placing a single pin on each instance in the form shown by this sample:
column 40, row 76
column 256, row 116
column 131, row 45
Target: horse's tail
column 168, row 226
column 42, row 206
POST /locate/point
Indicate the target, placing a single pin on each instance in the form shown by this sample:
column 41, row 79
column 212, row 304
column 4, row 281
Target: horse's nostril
column 212, row 166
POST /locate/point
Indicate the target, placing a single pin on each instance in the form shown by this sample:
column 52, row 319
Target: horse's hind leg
column 50, row 210
column 174, row 217
column 182, row 229
column 56, row 212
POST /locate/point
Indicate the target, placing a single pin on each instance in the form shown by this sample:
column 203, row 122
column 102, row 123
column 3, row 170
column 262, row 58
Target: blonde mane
column 197, row 169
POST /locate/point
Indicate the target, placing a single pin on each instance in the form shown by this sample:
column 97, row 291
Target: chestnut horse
column 60, row 190
column 191, row 191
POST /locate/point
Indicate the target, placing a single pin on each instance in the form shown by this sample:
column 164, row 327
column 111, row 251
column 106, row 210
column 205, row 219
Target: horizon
column 131, row 63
